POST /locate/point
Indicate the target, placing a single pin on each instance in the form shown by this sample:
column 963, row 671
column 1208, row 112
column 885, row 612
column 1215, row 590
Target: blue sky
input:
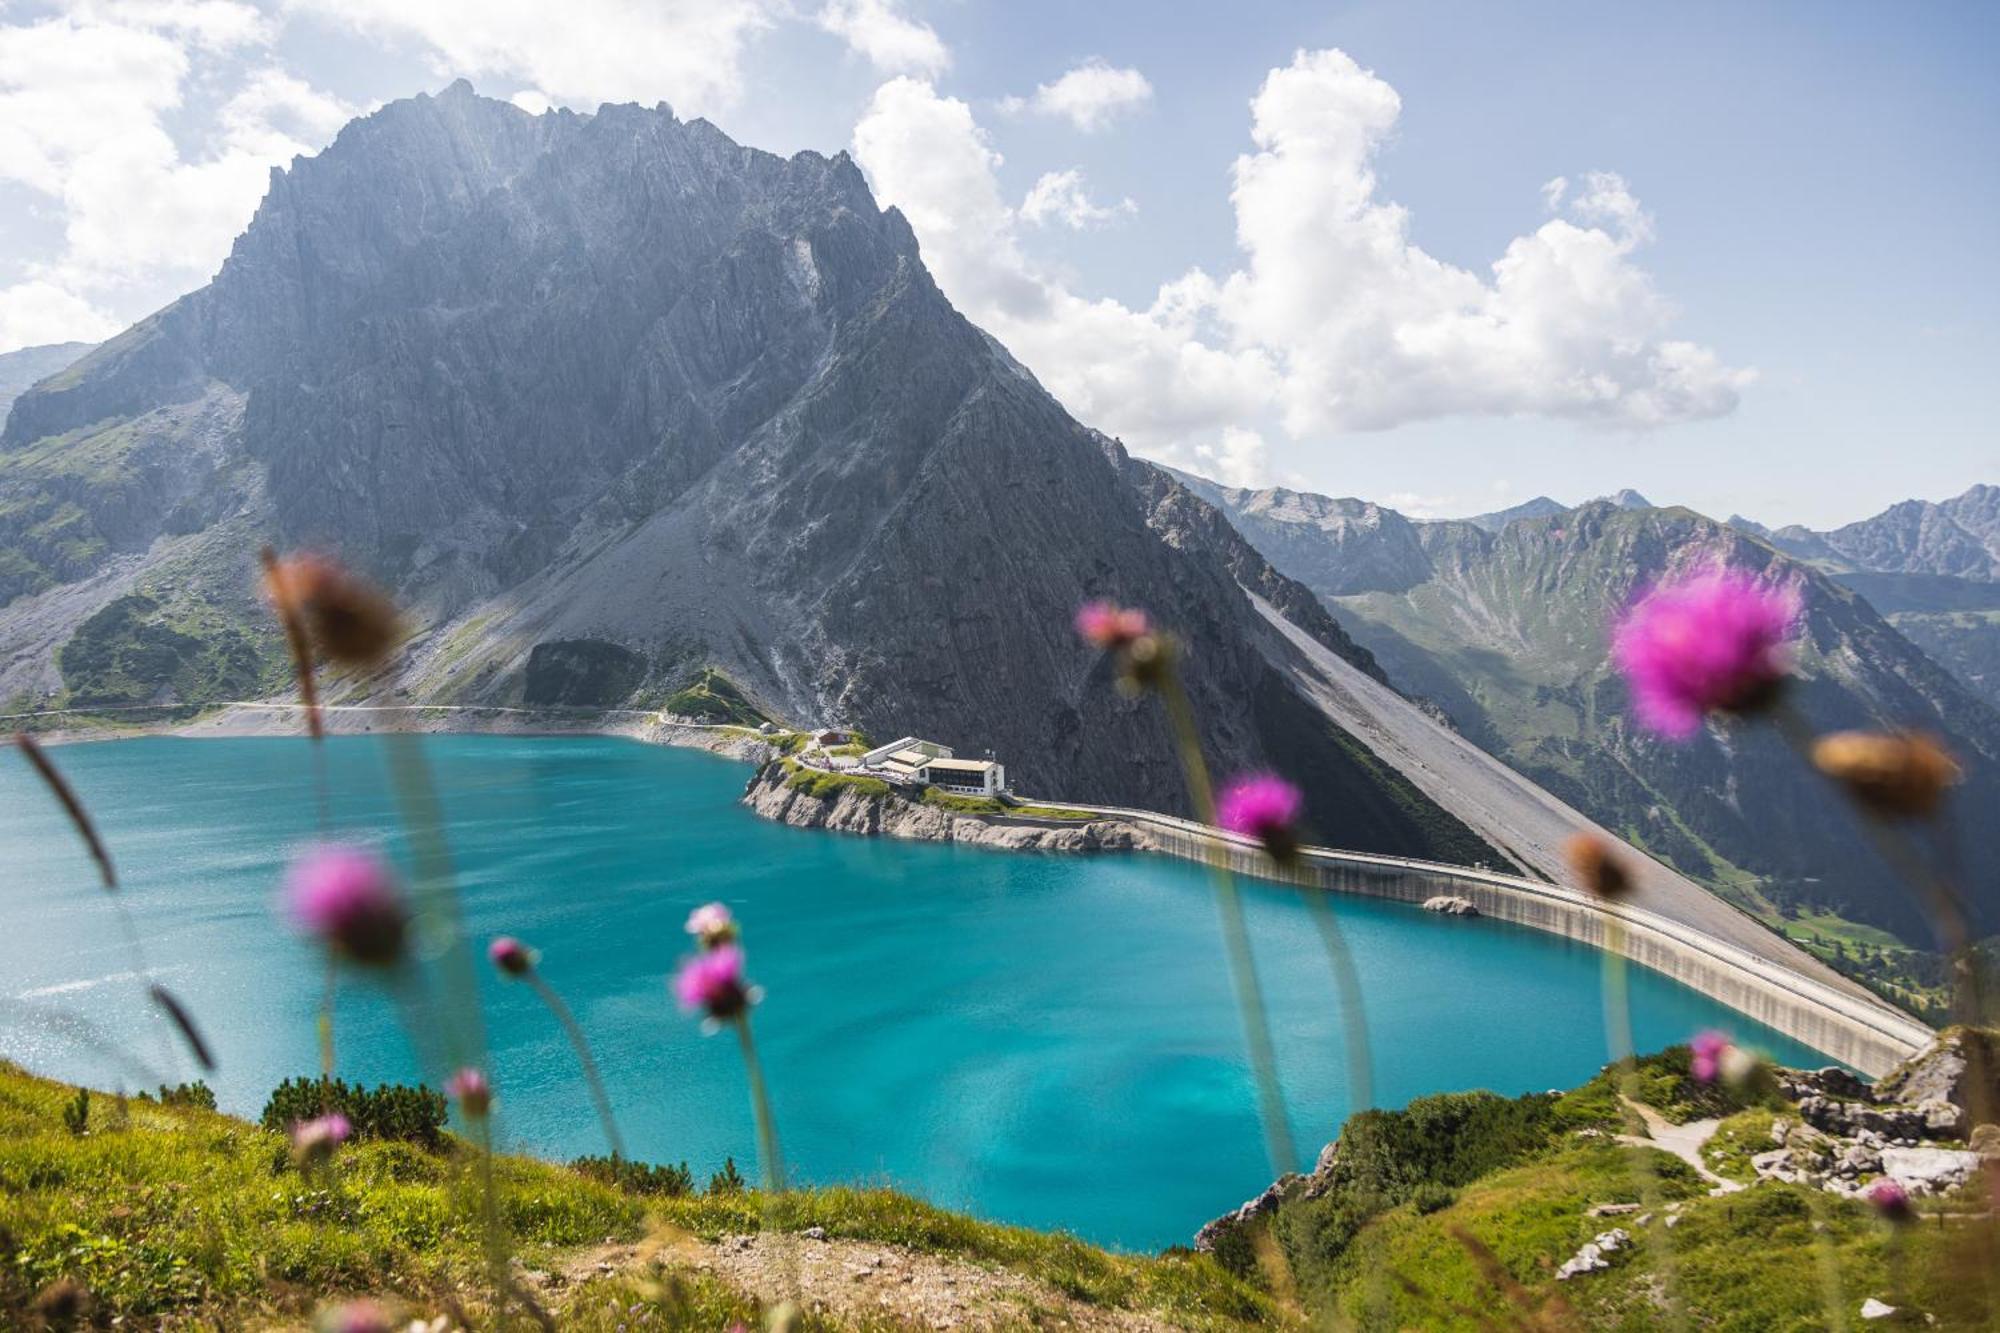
column 1256, row 239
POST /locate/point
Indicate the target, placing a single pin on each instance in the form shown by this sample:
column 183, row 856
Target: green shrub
column 728, row 1180
column 389, row 1111
column 1431, row 1197
column 196, row 1094
column 828, row 786
column 638, row 1177
column 76, row 1114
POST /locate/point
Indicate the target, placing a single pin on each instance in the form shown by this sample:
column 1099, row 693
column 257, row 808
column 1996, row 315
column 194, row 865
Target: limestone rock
column 1593, row 1256
column 1929, row 1170
column 1451, row 905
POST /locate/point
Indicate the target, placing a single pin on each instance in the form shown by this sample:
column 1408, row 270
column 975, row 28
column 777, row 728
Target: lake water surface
column 1038, row 1039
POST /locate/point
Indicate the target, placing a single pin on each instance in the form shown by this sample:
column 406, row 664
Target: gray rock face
column 22, row 367
column 853, row 811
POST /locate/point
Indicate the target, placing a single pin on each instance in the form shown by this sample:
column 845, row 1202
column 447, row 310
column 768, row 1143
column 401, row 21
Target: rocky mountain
column 612, row 401
column 1933, row 569
column 22, row 367
column 1506, row 631
column 1539, row 507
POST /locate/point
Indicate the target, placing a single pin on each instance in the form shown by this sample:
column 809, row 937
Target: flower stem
column 1360, row 1063
column 760, row 1108
column 1618, row 1035
column 595, row 1082
column 1235, row 933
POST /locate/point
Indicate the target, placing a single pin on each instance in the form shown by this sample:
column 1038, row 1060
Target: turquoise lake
column 1038, row 1039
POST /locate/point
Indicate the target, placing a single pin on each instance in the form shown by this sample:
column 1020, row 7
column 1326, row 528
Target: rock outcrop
column 854, row 808
column 1450, row 904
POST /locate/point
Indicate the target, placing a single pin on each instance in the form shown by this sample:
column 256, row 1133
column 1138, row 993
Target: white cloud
column 1144, row 374
column 888, row 39
column 579, row 52
column 84, row 104
column 1335, row 320
column 38, row 311
column 1090, row 96
column 1059, row 196
column 1239, row 458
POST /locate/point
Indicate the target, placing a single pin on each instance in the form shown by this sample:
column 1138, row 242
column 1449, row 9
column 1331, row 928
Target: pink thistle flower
column 347, row 896
column 313, row 1141
column 712, row 982
column 712, row 924
column 1708, row 1048
column 1713, row 642
column 354, row 1317
column 512, row 957
column 1889, row 1199
column 1264, row 807
column 469, row 1088
column 1110, row 627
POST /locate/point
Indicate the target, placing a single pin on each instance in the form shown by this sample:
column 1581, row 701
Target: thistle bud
column 1892, row 775
column 1599, row 870
column 349, row 619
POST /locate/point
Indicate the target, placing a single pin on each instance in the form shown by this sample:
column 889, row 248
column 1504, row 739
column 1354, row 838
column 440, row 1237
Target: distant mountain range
column 1932, row 568
column 20, row 369
column 1543, row 507
column 1504, row 626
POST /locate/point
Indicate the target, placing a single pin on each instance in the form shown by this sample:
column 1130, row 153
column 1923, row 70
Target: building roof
column 968, row 765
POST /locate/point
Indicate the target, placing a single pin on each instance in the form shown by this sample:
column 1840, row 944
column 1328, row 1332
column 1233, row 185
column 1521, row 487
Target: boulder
column 1947, row 1072
column 1591, row 1258
column 1929, row 1170
column 1450, row 904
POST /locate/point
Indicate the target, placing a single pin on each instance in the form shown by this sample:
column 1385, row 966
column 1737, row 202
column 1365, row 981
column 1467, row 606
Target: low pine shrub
column 637, row 1177
column 389, row 1111
column 728, row 1180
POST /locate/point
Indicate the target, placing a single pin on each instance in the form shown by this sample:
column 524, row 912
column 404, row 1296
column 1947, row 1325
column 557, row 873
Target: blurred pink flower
column 313, row 1141
column 469, row 1088
column 1109, row 626
column 1709, row 642
column 347, row 896
column 1888, row 1198
column 1265, row 807
column 1708, row 1048
column 353, row 1317
column 712, row 924
column 511, row 956
column 712, row 982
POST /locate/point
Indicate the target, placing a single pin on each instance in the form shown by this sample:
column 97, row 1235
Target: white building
column 923, row 763
column 966, row 777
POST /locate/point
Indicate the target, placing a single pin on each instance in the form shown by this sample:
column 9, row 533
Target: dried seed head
column 349, row 619
column 64, row 1303
column 1598, row 869
column 1145, row 662
column 1894, row 775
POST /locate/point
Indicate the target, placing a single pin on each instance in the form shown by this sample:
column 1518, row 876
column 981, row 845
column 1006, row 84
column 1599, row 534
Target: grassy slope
column 1450, row 1214
column 1456, row 1212
column 165, row 1211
